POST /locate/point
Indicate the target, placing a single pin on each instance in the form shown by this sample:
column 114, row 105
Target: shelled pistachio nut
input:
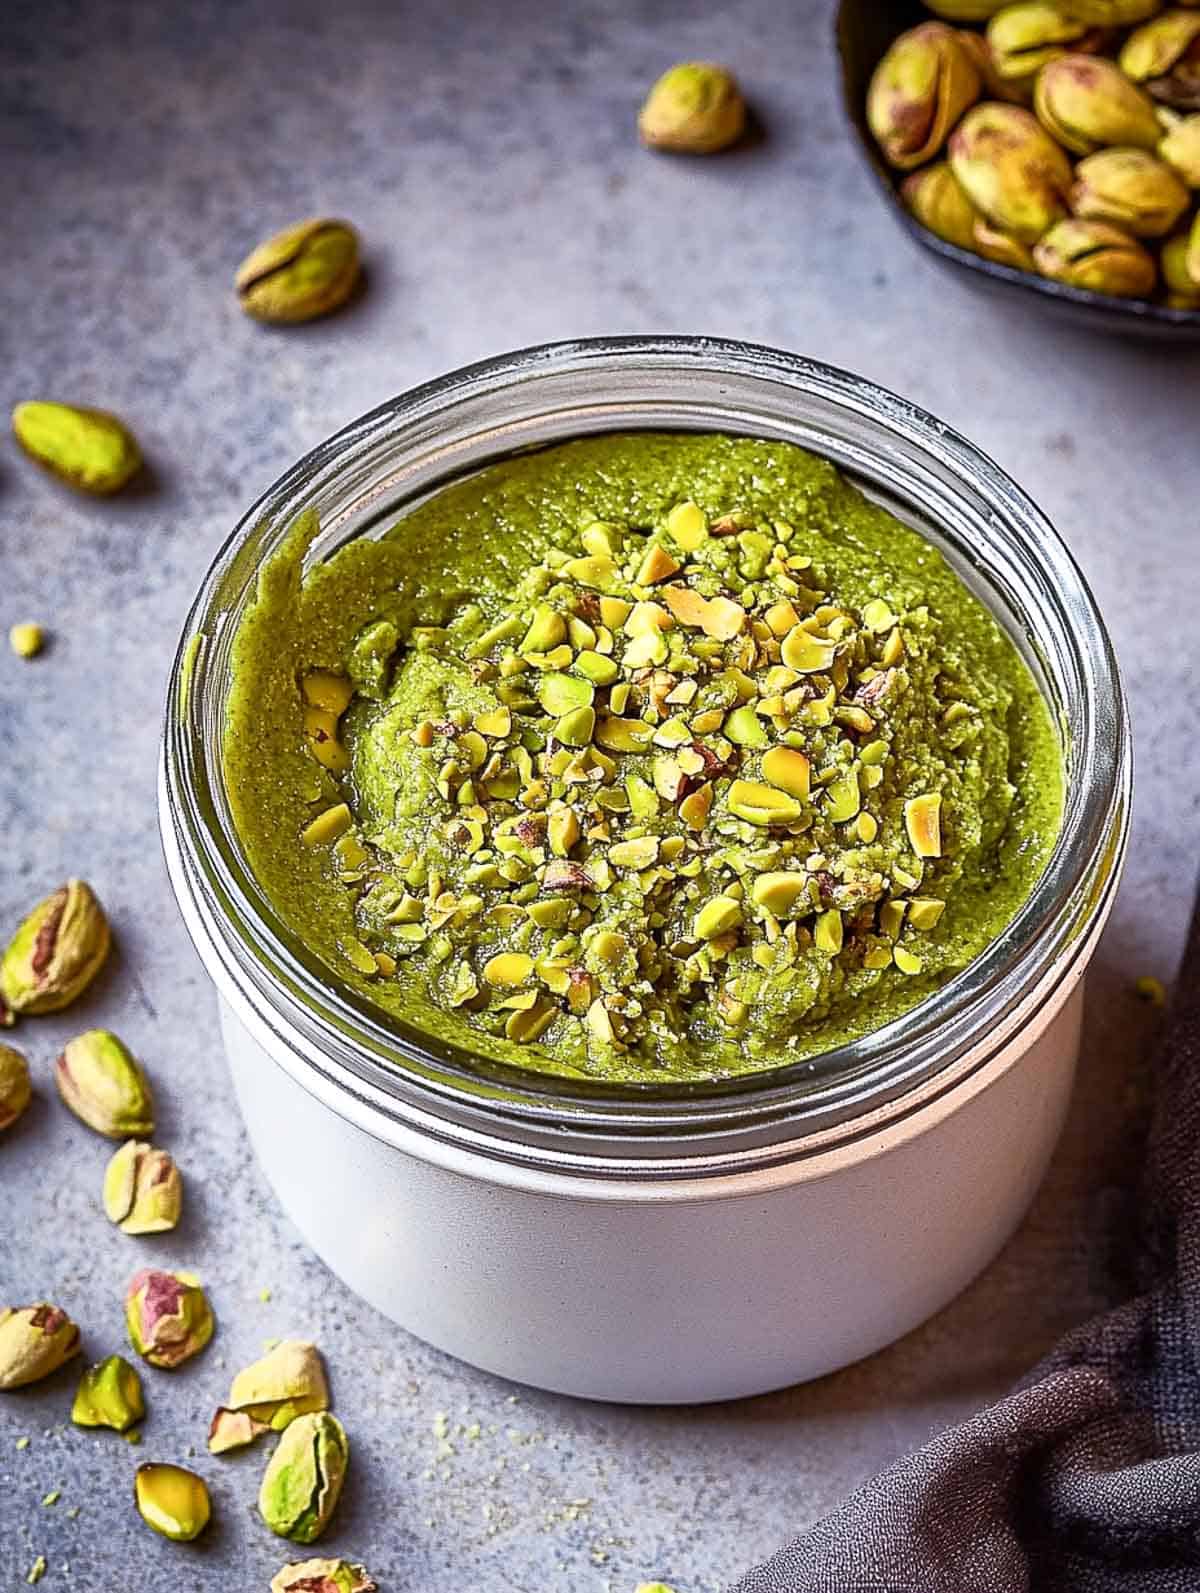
column 109, row 1395
column 56, row 952
column 1164, row 56
column 286, row 1383
column 35, row 1340
column 89, row 449
column 172, row 1500
column 1024, row 37
column 1132, row 189
column 1087, row 103
column 920, row 88
column 300, row 273
column 303, row 1479
column 1011, row 169
column 143, row 1192
column 1183, row 290
column 15, row 1089
column 938, row 201
column 102, row 1083
column 1097, row 256
column 26, row 638
column 1180, row 147
column 168, row 1317
column 695, row 108
column 323, row 1576
column 993, row 243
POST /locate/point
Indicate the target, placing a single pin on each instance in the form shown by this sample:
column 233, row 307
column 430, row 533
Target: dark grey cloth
column 1087, row 1478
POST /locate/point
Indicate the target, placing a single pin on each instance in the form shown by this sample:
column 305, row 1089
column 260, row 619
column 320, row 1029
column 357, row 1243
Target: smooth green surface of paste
column 645, row 757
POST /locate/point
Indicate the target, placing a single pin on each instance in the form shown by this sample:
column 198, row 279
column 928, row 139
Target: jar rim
column 400, row 1074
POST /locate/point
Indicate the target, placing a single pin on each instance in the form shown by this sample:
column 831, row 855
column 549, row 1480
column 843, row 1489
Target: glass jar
column 313, row 1059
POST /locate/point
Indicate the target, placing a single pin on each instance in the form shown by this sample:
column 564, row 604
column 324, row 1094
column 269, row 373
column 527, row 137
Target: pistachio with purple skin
column 1011, row 169
column 168, row 1317
column 1164, row 56
column 323, row 1576
column 102, row 1083
column 35, row 1340
column 15, row 1090
column 1097, row 256
column 937, row 200
column 56, row 953
column 143, row 1192
column 1087, row 103
column 1132, row 189
column 918, row 91
column 269, row 1395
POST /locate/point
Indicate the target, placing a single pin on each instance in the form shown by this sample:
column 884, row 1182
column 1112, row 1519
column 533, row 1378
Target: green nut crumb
column 23, row 1441
column 52, row 1497
column 37, row 1570
column 1151, row 990
column 26, row 639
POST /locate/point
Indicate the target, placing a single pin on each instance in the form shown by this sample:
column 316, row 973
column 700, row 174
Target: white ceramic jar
column 663, row 1243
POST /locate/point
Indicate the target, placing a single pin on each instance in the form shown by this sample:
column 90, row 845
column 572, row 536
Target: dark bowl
column 865, row 29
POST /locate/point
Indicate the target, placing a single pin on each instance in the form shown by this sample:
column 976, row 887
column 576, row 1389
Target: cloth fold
column 1087, row 1478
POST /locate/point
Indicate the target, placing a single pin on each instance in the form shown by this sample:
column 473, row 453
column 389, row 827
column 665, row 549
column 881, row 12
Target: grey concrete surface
column 487, row 153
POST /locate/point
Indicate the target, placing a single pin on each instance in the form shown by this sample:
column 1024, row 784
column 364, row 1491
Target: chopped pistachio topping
column 669, row 791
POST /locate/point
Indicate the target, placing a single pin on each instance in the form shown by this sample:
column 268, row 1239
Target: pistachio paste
column 645, row 757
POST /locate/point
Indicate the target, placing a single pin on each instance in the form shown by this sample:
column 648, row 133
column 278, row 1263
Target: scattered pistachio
column 303, row 1480
column 143, row 1191
column 172, row 1501
column 57, row 951
column 288, row 1382
column 695, row 108
column 322, row 1576
column 89, row 449
column 1151, row 990
column 27, row 639
column 168, row 1317
column 35, row 1340
column 15, row 1090
column 300, row 273
column 99, row 1079
column 109, row 1395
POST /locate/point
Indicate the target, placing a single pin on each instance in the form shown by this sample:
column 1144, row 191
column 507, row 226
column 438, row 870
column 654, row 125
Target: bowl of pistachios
column 1048, row 148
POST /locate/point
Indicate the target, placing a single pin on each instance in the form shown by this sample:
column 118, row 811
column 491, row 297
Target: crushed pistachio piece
column 26, row 639
column 923, row 821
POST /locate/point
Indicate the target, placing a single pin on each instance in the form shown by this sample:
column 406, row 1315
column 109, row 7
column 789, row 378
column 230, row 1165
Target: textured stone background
column 487, row 153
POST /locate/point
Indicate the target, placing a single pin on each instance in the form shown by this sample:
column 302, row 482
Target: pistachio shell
column 1024, row 37
column 1181, row 148
column 965, row 10
column 1088, row 103
column 15, row 1091
column 1097, row 256
column 35, row 1340
column 168, row 1317
column 1132, row 189
column 920, row 88
column 938, row 201
column 89, row 449
column 1114, row 13
column 695, row 108
column 300, row 273
column 993, row 243
column 102, row 1083
column 143, row 1192
column 322, row 1576
column 1011, row 169
column 303, row 1480
column 1152, row 50
column 1183, row 290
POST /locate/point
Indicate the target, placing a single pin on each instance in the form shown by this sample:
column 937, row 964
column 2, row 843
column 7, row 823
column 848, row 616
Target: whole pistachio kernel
column 109, row 1395
column 300, row 273
column 695, row 108
column 88, row 449
column 56, row 952
column 323, row 1576
column 101, row 1082
column 35, row 1340
column 172, row 1500
column 143, row 1191
column 303, row 1480
column 15, row 1090
column 168, row 1317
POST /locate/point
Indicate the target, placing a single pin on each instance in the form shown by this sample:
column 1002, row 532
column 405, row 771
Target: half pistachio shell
column 323, row 1576
column 269, row 1395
